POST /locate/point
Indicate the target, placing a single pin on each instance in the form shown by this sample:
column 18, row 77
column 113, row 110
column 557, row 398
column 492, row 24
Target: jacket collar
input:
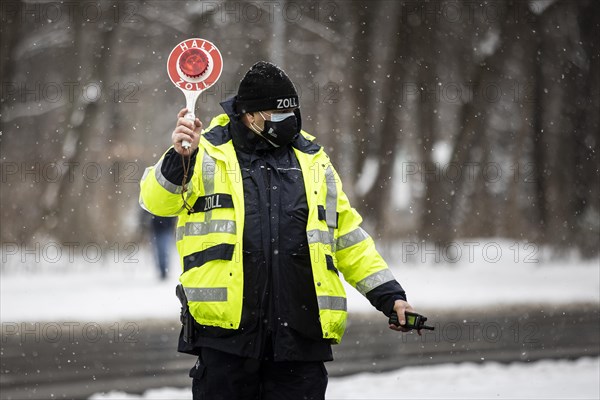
column 243, row 138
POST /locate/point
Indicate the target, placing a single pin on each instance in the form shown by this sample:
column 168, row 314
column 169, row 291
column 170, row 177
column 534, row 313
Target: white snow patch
column 485, row 274
column 545, row 379
column 78, row 291
column 488, row 285
column 441, row 153
column 539, row 380
column 166, row 393
column 367, row 176
column 402, row 187
column 490, row 43
column 539, row 6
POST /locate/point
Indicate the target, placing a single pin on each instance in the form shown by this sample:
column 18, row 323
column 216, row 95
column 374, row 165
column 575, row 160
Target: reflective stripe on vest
column 164, row 182
column 206, row 294
column 372, row 281
column 327, row 237
column 331, row 303
column 205, row 228
column 318, row 236
column 331, row 204
column 208, row 226
column 351, row 238
column 208, row 178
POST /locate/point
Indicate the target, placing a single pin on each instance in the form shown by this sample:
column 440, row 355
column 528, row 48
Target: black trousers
column 222, row 376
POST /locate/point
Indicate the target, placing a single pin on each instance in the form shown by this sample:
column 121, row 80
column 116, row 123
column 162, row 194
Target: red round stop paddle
column 193, row 66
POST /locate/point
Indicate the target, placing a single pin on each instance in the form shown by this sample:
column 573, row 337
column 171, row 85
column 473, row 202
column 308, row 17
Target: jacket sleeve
column 360, row 262
column 160, row 187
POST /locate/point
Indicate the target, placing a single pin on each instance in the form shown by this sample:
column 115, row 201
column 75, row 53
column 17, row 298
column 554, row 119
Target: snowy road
column 136, row 356
column 537, row 380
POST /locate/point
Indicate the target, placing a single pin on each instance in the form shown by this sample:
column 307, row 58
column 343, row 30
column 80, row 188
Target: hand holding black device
column 413, row 321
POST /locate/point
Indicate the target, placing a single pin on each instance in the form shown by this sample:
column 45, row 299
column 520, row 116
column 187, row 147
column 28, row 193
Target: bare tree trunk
column 587, row 133
column 558, row 133
column 277, row 43
column 471, row 148
column 364, row 19
column 469, row 139
column 70, row 199
column 435, row 217
column 377, row 200
column 10, row 31
column 539, row 148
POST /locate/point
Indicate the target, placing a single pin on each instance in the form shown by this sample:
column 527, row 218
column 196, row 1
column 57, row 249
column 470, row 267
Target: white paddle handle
column 190, row 100
column 189, row 116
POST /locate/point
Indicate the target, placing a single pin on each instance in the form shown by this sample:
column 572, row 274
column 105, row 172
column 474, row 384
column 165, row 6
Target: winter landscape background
column 445, row 119
column 466, row 133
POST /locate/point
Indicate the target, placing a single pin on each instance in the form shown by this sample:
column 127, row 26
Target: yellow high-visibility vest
column 209, row 242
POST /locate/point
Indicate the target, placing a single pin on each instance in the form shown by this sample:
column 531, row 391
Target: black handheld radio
column 413, row 321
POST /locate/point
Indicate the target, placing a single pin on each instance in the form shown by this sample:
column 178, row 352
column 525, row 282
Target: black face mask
column 281, row 132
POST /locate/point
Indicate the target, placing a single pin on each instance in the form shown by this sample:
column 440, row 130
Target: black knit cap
column 265, row 87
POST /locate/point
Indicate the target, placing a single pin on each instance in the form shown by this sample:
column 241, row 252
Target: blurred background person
column 161, row 233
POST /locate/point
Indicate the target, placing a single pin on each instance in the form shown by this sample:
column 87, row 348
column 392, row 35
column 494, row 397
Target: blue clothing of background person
column 162, row 239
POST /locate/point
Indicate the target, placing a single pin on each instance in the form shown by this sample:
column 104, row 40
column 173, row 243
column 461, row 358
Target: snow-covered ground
column 560, row 379
column 74, row 290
